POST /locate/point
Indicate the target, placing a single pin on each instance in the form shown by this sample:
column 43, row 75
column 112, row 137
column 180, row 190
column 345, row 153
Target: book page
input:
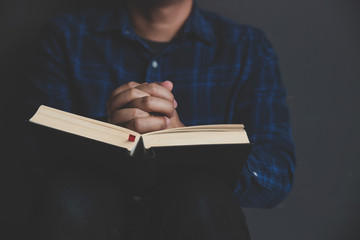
column 203, row 136
column 202, row 128
column 85, row 127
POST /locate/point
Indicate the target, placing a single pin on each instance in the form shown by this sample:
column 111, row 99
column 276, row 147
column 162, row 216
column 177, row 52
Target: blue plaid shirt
column 222, row 72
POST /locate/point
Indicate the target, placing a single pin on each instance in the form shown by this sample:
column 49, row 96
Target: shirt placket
column 153, row 71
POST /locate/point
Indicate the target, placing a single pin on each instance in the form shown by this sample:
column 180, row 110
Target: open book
column 221, row 150
column 131, row 140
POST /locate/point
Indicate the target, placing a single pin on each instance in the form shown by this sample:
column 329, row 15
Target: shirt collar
column 118, row 19
column 198, row 25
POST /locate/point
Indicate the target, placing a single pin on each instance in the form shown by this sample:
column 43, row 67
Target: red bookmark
column 131, row 138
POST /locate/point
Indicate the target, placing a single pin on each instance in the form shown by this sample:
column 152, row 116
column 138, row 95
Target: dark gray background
column 318, row 46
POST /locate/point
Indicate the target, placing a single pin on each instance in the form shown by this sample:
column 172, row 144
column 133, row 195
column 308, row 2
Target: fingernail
column 167, row 121
column 175, row 104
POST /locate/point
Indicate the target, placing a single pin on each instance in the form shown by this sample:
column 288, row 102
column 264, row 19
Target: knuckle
column 132, row 92
column 152, row 87
column 169, row 109
column 172, row 112
column 131, row 84
column 164, row 124
column 138, row 126
column 147, row 101
column 135, row 113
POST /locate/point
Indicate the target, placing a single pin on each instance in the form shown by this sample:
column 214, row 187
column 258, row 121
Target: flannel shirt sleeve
column 268, row 175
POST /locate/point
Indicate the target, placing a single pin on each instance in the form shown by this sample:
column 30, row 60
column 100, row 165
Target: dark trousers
column 88, row 204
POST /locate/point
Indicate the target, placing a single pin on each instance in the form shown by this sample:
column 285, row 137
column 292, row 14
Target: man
column 150, row 65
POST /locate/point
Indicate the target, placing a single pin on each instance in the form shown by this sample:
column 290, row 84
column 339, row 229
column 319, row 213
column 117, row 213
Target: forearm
column 267, row 178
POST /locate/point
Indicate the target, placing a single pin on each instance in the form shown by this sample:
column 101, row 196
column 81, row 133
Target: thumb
column 167, row 84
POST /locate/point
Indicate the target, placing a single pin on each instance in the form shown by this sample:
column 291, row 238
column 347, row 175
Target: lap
column 198, row 207
column 90, row 204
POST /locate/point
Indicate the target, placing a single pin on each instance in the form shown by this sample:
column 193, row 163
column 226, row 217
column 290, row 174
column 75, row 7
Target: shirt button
column 154, row 64
column 255, row 174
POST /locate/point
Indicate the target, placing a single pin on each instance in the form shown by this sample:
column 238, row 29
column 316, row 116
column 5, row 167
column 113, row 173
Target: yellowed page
column 202, row 128
column 85, row 127
column 194, row 138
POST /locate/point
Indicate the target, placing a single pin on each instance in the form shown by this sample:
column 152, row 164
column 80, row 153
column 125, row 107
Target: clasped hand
column 143, row 107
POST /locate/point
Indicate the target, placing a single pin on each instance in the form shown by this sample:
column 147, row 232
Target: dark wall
column 318, row 46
